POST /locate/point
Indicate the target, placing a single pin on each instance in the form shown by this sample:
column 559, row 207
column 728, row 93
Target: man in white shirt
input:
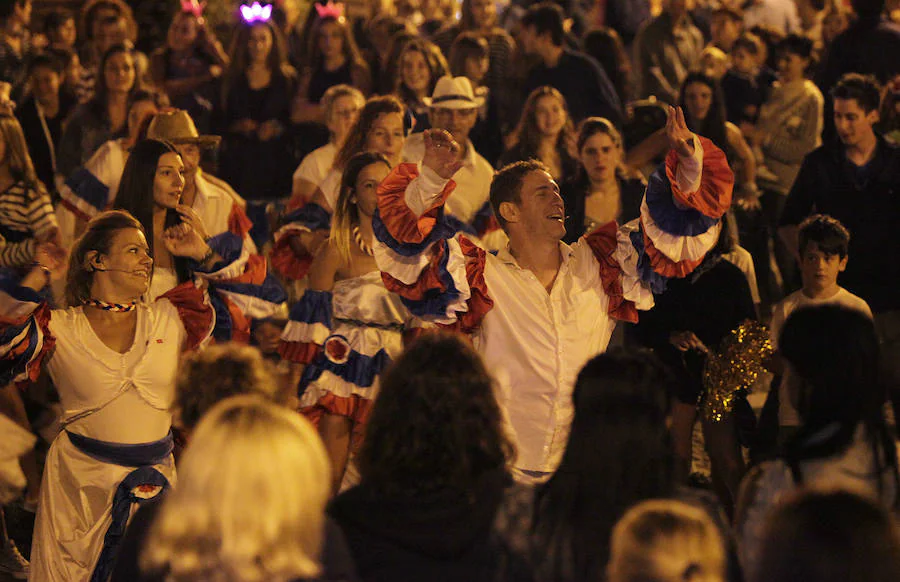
column 823, row 256
column 540, row 309
column 782, row 15
column 454, row 108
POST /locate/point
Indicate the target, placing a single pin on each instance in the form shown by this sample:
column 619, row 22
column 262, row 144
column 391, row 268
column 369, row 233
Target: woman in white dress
column 112, row 357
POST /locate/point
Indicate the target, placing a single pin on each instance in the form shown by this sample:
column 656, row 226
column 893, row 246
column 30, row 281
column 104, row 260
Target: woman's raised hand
column 681, row 139
column 441, row 153
column 182, row 240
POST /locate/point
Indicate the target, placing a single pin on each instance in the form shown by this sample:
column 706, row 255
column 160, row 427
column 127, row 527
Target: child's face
column 743, row 62
column 713, row 66
column 820, row 270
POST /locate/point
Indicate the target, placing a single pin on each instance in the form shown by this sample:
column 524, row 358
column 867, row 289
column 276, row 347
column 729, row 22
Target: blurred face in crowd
column 724, row 30
column 820, row 270
column 414, row 72
column 678, row 8
column 344, row 112
column 476, row 68
column 698, row 98
column 367, row 185
column 45, row 84
column 138, row 114
column 600, row 156
column 190, row 157
column 459, row 122
column 791, row 67
column 331, row 40
column 259, row 43
column 549, row 116
column 744, row 61
column 184, row 32
column 834, row 23
column 387, row 137
column 713, row 64
column 528, row 40
column 65, row 35
column 169, row 181
column 853, row 124
column 102, row 15
column 484, row 12
column 119, row 73
column 112, row 31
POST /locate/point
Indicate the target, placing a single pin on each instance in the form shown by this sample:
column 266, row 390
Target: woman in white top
column 341, row 104
column 112, row 358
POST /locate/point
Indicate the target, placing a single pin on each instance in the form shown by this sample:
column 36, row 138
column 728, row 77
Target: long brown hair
column 351, row 52
column 346, row 212
column 359, row 133
column 97, row 237
column 434, row 59
column 528, row 137
column 239, row 56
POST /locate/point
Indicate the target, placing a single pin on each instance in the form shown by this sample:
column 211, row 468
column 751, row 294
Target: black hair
column 799, row 45
column 619, row 452
column 713, row 126
column 749, row 42
column 56, row 18
column 868, row 9
column 864, row 89
column 836, row 355
column 135, row 194
column 546, row 17
column 828, row 233
column 507, row 184
column 46, row 61
column 829, row 536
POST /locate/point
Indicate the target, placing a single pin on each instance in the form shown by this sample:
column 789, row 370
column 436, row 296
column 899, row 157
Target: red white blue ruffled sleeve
column 439, row 278
column 195, row 311
column 240, row 288
column 25, row 337
column 309, row 325
column 680, row 222
column 87, row 192
column 309, row 218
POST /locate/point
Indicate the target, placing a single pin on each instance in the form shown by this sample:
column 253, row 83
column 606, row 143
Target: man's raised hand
column 441, row 153
column 681, row 139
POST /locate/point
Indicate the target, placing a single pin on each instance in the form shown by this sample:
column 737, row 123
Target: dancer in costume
column 540, row 309
column 381, row 128
column 347, row 327
column 113, row 359
column 151, row 190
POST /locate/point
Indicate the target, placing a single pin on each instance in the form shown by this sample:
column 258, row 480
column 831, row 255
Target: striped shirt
column 26, row 214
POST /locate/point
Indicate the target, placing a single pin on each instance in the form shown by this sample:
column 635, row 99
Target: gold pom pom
column 731, row 373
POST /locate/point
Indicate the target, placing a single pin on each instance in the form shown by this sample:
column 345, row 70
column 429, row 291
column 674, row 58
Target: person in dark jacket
column 602, row 189
column 855, row 178
column 580, row 79
column 41, row 116
column 435, row 470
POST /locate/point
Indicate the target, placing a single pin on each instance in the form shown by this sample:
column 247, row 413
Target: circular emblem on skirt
column 337, row 349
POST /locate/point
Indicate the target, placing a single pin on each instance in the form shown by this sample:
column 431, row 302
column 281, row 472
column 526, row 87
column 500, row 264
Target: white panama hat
column 454, row 93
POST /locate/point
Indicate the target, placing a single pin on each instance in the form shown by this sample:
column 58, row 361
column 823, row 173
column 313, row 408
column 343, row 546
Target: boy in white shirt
column 823, row 256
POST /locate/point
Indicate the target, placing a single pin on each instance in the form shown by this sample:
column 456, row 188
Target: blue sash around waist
column 136, row 487
column 126, row 455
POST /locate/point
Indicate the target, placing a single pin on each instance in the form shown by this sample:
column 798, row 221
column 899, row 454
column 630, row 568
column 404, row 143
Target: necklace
column 117, row 307
column 361, row 243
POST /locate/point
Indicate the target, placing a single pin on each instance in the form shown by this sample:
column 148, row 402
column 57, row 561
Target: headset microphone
column 132, row 271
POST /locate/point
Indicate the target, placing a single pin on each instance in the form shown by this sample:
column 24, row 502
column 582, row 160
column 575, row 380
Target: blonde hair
column 250, row 501
column 666, row 540
column 346, row 212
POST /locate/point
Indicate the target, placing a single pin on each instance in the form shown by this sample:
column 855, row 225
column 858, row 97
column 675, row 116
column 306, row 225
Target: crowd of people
column 441, row 290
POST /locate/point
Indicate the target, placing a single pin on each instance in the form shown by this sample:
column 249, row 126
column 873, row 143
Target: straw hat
column 176, row 126
column 454, row 93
